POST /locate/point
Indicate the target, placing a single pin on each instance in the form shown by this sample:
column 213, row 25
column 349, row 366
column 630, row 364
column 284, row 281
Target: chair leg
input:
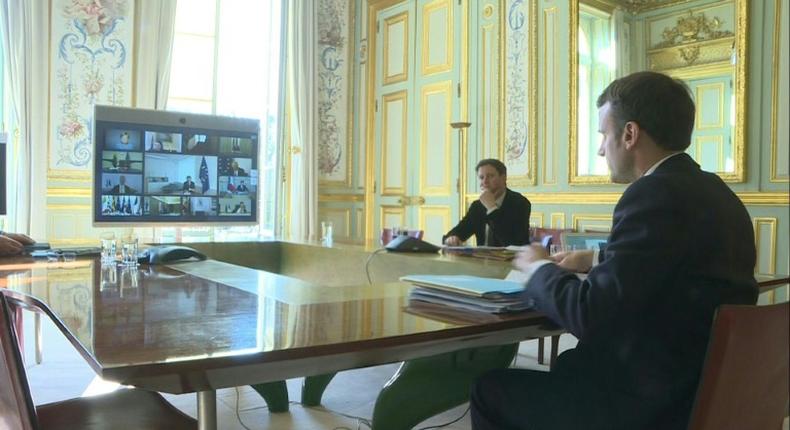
column 555, row 346
column 39, row 339
column 540, row 350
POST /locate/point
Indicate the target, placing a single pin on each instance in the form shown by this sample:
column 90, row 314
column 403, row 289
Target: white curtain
column 25, row 29
column 302, row 110
column 154, row 41
column 621, row 36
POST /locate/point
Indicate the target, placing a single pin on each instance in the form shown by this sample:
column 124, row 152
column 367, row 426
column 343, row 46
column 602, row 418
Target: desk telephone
column 167, row 254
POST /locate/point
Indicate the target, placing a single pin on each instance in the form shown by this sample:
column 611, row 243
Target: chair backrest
column 744, row 383
column 16, row 405
column 538, row 234
column 585, row 240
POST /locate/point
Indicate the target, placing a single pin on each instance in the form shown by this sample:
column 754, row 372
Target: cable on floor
column 367, row 263
column 447, row 424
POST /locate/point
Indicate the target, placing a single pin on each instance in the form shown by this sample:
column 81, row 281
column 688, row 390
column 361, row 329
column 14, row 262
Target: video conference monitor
column 174, row 168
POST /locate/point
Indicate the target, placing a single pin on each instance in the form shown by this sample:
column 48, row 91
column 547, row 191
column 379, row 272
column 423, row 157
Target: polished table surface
column 262, row 312
column 199, row 326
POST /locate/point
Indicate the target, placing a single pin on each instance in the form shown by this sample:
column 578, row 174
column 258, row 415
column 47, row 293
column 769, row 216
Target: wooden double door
column 417, row 94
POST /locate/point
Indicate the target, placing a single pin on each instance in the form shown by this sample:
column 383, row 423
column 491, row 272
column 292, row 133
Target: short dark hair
column 661, row 105
column 493, row 162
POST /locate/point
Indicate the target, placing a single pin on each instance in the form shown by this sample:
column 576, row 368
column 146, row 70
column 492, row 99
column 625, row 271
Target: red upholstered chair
column 744, row 382
column 123, row 409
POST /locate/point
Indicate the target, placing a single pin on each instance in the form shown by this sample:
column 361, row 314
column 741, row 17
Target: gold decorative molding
column 536, row 219
column 68, row 175
column 374, row 6
column 775, row 94
column 771, row 222
column 549, row 70
column 389, row 22
column 438, row 88
column 764, row 199
column 609, row 198
column 693, row 28
column 427, row 10
column 531, row 177
column 573, row 81
column 557, row 220
column 578, row 219
column 69, row 192
column 698, row 53
column 341, row 198
column 488, row 10
column 638, row 6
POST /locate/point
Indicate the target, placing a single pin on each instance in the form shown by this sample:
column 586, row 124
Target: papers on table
column 490, row 252
column 469, row 292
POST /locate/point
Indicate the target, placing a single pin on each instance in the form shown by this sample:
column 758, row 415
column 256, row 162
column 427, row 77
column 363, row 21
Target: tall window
column 226, row 61
column 596, row 70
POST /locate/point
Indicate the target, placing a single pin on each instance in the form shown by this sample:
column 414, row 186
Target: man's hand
column 9, row 246
column 452, row 241
column 21, row 238
column 531, row 254
column 575, row 261
column 488, row 199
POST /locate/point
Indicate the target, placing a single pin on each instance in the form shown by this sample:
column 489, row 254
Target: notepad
column 474, row 286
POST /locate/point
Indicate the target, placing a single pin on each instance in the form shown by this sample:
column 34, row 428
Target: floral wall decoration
column 335, row 26
column 91, row 64
column 517, row 126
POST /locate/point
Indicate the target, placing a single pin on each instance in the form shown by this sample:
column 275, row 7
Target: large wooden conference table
column 257, row 313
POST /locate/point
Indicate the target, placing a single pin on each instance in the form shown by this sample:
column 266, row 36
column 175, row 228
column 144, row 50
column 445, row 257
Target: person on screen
column 242, row 188
column 122, row 188
column 13, row 243
column 235, row 170
column 500, row 217
column 189, row 186
column 240, row 208
column 682, row 243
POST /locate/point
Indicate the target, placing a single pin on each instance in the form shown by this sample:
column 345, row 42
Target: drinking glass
column 69, row 256
column 326, row 232
column 129, row 251
column 108, row 251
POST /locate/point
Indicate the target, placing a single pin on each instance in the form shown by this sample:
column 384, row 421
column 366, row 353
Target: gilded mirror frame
column 741, row 94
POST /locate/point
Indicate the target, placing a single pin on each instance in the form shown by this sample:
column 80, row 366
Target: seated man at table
column 681, row 245
column 13, row 243
column 500, row 217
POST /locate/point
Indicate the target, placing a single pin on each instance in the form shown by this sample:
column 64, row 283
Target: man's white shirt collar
column 655, row 166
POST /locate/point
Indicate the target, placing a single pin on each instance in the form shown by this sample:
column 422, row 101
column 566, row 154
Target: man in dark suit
column 122, row 188
column 500, row 217
column 681, row 245
column 189, row 186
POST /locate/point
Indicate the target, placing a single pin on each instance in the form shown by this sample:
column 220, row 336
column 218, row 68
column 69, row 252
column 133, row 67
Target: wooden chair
column 123, row 409
column 540, row 235
column 744, row 382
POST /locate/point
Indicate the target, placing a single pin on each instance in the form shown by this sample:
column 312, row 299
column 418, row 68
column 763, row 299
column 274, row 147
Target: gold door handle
column 420, row 200
column 403, row 201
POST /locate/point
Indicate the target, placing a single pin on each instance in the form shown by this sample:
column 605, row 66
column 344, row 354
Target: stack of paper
column 469, row 292
column 489, row 252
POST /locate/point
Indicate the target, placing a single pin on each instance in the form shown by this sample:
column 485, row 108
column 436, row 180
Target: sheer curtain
column 154, row 41
column 25, row 26
column 302, row 207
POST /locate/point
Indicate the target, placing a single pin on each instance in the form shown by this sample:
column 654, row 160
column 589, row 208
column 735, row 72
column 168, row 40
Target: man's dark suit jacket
column 509, row 224
column 127, row 190
column 681, row 244
column 188, row 186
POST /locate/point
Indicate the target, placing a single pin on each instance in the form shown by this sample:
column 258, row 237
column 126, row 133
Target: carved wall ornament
column 693, row 28
column 689, row 54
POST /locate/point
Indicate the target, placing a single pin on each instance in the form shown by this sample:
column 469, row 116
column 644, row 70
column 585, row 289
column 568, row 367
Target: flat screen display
column 174, row 168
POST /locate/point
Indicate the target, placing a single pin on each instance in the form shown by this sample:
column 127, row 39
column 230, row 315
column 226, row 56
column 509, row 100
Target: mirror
column 702, row 42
